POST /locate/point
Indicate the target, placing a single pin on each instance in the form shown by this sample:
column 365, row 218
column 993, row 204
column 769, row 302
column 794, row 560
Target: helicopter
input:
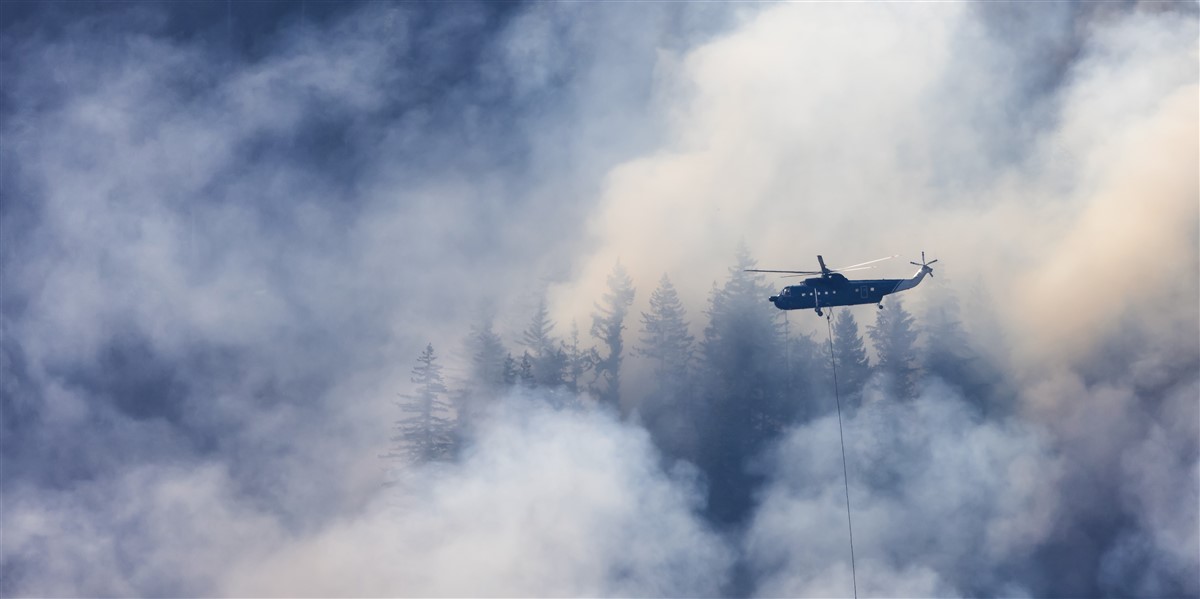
column 832, row 288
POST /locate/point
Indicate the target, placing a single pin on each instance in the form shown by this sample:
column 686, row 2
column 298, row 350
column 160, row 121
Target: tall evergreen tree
column 850, row 356
column 487, row 358
column 665, row 338
column 895, row 341
column 426, row 432
column 524, row 371
column 578, row 361
column 808, row 377
column 487, row 375
column 666, row 342
column 744, row 379
column 546, row 360
column 607, row 324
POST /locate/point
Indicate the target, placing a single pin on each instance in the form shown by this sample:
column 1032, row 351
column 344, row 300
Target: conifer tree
column 487, row 376
column 487, row 358
column 850, row 356
column 578, row 361
column 512, row 371
column 525, row 375
column 426, row 432
column 545, row 359
column 808, row 377
column 666, row 342
column 895, row 339
column 665, row 338
column 607, row 324
column 744, row 382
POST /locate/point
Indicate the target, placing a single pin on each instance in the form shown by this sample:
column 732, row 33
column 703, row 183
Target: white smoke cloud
column 216, row 268
column 546, row 502
column 941, row 502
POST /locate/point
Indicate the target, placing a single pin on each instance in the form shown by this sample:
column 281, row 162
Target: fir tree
column 545, row 360
column 744, row 382
column 487, row 358
column 607, row 324
column 487, row 376
column 808, row 377
column 666, row 342
column 665, row 338
column 850, row 356
column 578, row 361
column 524, row 372
column 426, row 433
column 512, row 371
column 895, row 339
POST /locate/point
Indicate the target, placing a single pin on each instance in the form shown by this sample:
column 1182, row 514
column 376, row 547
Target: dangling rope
column 842, row 438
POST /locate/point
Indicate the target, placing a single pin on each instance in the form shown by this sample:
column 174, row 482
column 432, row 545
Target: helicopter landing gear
column 880, row 306
column 820, row 313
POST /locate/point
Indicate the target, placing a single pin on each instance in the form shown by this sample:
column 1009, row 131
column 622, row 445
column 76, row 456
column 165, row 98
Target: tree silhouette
column 607, row 324
column 666, row 342
column 426, row 432
column 850, row 356
column 895, row 339
column 744, row 381
column 578, row 361
column 665, row 339
column 545, row 362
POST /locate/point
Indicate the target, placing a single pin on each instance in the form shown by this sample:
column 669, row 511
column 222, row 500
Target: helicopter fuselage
column 836, row 290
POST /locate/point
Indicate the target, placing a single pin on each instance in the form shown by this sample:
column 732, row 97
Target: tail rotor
column 925, row 265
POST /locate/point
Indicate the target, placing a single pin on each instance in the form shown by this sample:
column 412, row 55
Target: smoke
column 545, row 501
column 226, row 233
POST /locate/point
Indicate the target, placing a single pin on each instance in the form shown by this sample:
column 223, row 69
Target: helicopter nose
column 772, row 298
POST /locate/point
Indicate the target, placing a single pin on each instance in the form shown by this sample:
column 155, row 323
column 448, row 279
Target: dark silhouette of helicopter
column 832, row 288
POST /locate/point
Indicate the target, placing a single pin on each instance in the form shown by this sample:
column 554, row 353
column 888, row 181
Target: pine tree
column 546, row 361
column 487, row 376
column 850, row 356
column 808, row 377
column 744, row 382
column 665, row 338
column 512, row 371
column 487, row 358
column 895, row 339
column 607, row 324
column 427, row 432
column 524, row 372
column 666, row 342
column 578, row 361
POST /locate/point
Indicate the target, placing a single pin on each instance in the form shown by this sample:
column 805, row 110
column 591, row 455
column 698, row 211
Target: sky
column 228, row 229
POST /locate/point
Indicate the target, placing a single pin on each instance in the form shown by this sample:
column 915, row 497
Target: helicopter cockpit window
column 787, row 292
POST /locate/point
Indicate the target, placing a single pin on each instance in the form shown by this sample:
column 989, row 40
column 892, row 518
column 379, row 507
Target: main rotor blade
column 795, row 272
column 851, row 269
column 867, row 262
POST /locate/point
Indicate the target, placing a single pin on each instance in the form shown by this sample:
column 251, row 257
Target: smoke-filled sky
column 228, row 229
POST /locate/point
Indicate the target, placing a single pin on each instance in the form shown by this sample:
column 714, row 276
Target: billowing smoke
column 228, row 230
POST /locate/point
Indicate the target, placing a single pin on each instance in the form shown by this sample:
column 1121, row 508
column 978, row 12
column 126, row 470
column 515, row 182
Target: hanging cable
column 842, row 438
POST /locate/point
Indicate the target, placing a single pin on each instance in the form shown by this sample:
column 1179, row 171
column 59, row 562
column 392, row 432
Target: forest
column 717, row 401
